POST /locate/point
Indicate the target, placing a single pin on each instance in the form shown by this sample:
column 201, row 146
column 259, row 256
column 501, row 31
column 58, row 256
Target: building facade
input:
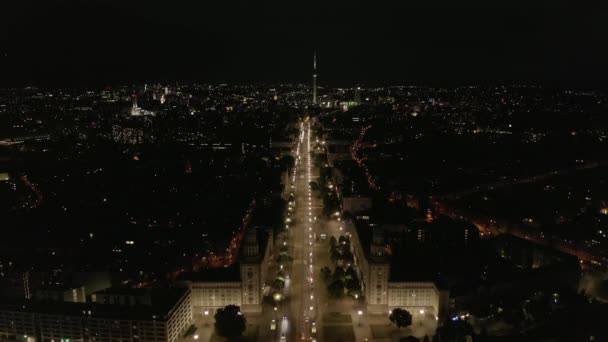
column 419, row 298
column 381, row 294
column 161, row 316
column 241, row 284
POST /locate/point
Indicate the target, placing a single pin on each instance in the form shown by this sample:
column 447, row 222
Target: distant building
column 37, row 284
column 24, row 138
column 356, row 204
column 18, row 284
column 357, row 96
column 347, row 104
column 61, row 294
column 328, row 101
column 132, row 130
column 127, row 135
column 4, row 176
column 338, row 150
column 138, row 111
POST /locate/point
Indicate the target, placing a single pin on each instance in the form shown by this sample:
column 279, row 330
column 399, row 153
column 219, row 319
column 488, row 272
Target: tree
column 339, row 274
column 351, row 273
column 355, row 293
column 326, row 273
column 353, row 286
column 333, row 242
column 455, row 330
column 278, row 283
column 229, row 321
column 283, row 258
column 334, row 254
column 537, row 308
column 483, row 335
column 347, row 256
column 336, row 289
column 314, row 186
column 401, row 318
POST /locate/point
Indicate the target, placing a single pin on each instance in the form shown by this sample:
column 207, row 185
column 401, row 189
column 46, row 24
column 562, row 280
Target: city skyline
column 313, row 171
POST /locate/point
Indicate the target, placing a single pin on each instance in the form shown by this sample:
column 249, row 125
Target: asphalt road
column 301, row 301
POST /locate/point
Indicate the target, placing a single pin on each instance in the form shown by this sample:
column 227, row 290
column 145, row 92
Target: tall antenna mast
column 314, row 78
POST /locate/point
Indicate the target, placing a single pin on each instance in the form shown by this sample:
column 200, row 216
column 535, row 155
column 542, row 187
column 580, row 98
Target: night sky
column 119, row 41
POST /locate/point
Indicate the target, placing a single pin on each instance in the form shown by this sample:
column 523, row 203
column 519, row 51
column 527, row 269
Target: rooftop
column 223, row 274
column 163, row 300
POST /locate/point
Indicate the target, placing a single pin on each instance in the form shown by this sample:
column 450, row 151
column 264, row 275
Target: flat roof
column 222, row 274
column 163, row 300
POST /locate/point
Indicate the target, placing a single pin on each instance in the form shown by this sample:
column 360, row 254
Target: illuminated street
column 298, row 318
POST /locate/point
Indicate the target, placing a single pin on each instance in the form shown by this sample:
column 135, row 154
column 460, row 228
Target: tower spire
column 314, row 77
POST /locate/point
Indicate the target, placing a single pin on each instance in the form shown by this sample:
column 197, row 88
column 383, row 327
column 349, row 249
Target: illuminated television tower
column 314, row 78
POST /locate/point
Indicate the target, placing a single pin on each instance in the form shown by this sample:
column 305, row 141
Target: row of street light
column 308, row 317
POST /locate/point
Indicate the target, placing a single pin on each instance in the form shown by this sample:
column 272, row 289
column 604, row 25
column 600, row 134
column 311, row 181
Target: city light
column 197, row 173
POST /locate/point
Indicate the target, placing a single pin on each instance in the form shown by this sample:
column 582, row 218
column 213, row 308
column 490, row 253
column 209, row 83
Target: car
column 313, row 329
column 282, row 337
column 273, row 325
column 284, row 317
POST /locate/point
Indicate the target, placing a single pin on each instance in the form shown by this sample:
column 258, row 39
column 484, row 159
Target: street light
column 206, row 313
column 360, row 313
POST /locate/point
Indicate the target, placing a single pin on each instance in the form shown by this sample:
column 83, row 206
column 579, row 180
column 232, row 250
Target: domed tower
column 252, row 270
column 379, row 271
column 378, row 246
column 251, row 247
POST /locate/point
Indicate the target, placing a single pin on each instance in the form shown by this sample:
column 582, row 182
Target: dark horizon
column 103, row 43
